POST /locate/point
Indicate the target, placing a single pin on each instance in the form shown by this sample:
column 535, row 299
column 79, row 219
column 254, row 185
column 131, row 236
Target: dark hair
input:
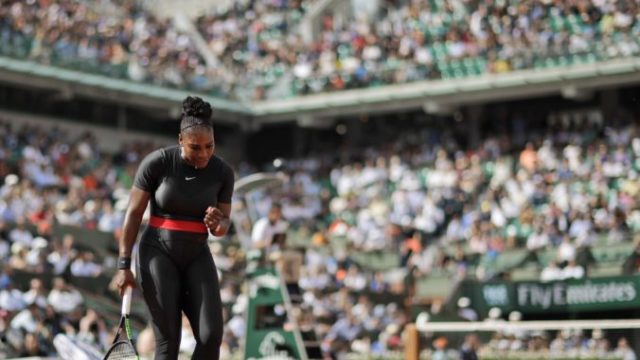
column 276, row 206
column 195, row 112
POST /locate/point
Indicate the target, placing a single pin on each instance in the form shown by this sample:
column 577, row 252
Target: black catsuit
column 175, row 268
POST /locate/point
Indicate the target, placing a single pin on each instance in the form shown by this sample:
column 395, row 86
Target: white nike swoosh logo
column 189, row 178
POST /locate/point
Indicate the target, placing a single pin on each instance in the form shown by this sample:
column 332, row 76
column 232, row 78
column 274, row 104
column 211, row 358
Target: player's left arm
column 220, row 215
column 225, row 222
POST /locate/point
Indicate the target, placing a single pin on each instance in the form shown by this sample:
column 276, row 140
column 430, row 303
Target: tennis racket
column 122, row 347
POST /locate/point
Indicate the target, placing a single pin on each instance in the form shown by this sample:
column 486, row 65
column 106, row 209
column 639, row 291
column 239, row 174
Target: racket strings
column 122, row 350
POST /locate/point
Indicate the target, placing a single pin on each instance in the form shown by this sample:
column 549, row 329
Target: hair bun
column 196, row 107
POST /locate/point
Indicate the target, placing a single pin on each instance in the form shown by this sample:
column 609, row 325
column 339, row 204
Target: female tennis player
column 190, row 192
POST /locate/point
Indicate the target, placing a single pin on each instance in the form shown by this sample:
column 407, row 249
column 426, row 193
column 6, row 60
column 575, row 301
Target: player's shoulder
column 221, row 163
column 169, row 151
column 162, row 154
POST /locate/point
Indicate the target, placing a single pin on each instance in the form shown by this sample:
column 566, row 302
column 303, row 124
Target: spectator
column 20, row 234
column 624, row 351
column 28, row 319
column 529, row 158
column 566, row 250
column 469, row 347
column 572, row 271
column 145, row 343
column 93, row 330
column 269, row 232
column 440, row 345
column 61, row 255
column 632, row 263
column 32, row 346
column 539, row 239
column 465, row 311
column 11, row 299
column 63, row 297
column 551, row 272
column 84, row 265
column 36, row 294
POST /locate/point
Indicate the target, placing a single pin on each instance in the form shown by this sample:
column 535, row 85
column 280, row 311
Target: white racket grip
column 126, row 301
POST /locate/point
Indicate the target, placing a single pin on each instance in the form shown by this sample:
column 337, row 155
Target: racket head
column 122, row 347
column 121, row 350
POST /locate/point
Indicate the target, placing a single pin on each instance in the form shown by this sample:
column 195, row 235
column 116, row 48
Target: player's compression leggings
column 177, row 275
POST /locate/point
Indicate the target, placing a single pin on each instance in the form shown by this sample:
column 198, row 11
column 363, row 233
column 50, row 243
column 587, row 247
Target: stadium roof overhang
column 427, row 95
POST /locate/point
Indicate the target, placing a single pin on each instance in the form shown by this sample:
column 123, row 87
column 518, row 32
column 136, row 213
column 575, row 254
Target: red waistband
column 180, row 225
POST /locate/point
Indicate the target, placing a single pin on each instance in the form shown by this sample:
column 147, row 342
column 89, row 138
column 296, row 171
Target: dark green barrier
column 101, row 243
column 97, row 285
column 21, row 279
column 377, row 260
column 382, row 297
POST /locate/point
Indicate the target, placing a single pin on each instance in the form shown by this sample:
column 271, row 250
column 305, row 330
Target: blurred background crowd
column 432, row 204
column 256, row 50
column 369, row 227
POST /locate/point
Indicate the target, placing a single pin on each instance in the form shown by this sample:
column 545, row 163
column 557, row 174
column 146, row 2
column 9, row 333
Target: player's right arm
column 145, row 183
column 138, row 200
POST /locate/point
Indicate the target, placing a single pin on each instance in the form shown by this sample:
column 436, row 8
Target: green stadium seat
column 588, row 58
column 550, row 62
column 563, row 61
column 445, row 70
column 556, row 23
column 470, row 67
column 539, row 63
column 439, row 51
column 438, row 5
column 457, row 70
column 575, row 23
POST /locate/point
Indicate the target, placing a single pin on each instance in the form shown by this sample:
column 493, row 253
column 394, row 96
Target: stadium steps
column 434, row 287
column 310, row 339
column 605, row 271
column 505, row 261
column 613, row 254
column 526, row 273
column 311, row 344
column 377, row 260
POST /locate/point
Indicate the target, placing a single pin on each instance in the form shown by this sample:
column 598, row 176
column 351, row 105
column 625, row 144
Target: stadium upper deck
column 261, row 52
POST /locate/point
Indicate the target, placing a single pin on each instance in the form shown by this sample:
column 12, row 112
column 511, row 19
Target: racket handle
column 126, row 301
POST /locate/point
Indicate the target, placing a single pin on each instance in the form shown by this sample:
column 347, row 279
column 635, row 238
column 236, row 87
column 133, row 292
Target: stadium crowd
column 261, row 53
column 116, row 38
column 562, row 188
column 417, row 40
column 558, row 188
column 575, row 344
